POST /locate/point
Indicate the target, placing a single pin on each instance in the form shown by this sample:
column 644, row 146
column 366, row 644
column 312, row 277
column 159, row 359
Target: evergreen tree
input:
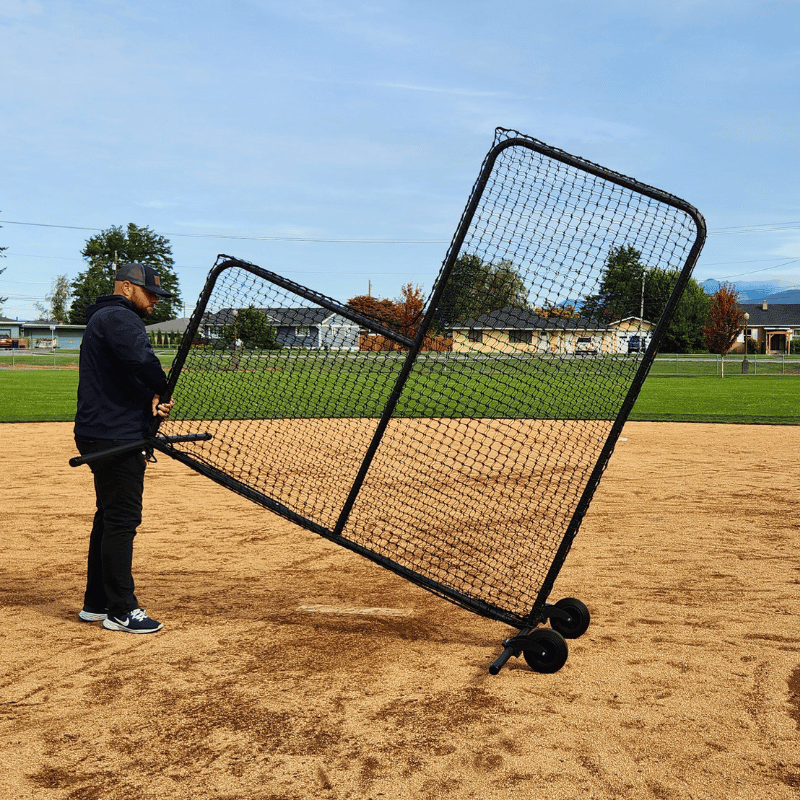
column 629, row 288
column 117, row 246
column 476, row 287
column 620, row 292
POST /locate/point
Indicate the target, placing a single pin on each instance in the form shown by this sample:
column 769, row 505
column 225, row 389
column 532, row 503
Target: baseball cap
column 141, row 275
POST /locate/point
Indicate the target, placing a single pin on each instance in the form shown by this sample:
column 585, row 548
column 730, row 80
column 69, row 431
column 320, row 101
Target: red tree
column 408, row 309
column 725, row 321
column 383, row 311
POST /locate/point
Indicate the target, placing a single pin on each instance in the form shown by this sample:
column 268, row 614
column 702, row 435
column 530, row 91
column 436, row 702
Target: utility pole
column 641, row 306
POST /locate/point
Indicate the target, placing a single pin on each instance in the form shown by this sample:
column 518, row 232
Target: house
column 167, row 332
column 519, row 329
column 314, row 327
column 169, row 326
column 54, row 334
column 633, row 335
column 773, row 326
column 42, row 334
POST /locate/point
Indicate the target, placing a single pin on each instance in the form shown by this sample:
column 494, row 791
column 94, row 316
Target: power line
column 769, row 227
column 238, row 237
column 766, row 269
column 766, row 227
column 747, row 261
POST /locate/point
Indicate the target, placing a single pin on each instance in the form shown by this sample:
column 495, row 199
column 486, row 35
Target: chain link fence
column 37, row 359
column 709, row 365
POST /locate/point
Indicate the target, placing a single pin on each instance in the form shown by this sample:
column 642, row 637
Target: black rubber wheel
column 578, row 622
column 555, row 651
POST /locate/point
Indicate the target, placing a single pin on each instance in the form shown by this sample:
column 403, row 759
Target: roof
column 783, row 315
column 523, row 319
column 640, row 320
column 41, row 323
column 169, row 325
column 277, row 316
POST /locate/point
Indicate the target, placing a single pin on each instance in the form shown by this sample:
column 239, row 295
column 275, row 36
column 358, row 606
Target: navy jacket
column 119, row 373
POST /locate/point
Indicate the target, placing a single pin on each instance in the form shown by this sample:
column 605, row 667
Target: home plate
column 372, row 612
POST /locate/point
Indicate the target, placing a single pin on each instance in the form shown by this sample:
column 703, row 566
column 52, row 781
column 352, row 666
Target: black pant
column 118, row 485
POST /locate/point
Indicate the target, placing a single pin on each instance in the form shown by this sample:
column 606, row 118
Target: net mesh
column 467, row 461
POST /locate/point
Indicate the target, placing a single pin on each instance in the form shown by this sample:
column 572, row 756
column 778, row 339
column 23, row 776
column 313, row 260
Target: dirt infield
column 479, row 506
column 291, row 668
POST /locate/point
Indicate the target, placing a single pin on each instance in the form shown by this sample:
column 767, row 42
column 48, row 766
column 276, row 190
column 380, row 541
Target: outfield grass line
column 50, row 395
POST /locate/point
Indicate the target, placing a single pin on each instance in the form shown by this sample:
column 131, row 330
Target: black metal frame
column 541, row 610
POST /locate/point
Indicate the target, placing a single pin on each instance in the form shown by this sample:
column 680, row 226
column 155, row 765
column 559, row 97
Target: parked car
column 585, row 346
column 637, row 344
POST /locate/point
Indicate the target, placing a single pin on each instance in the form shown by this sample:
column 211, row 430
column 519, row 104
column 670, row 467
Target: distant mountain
column 779, row 298
column 776, row 291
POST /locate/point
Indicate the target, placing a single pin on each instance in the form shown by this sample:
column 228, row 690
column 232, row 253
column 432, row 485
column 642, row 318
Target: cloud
column 441, row 90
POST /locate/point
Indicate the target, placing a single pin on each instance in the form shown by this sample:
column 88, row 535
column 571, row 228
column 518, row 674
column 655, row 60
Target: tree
column 553, row 311
column 684, row 334
column 117, row 246
column 408, row 309
column 253, row 329
column 620, row 292
column 504, row 286
column 725, row 321
column 58, row 300
column 86, row 288
column 383, row 311
column 476, row 287
column 402, row 314
column 629, row 288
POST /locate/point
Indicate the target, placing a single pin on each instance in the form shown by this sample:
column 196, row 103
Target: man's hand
column 161, row 409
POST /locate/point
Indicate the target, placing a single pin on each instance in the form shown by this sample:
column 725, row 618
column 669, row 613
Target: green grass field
column 37, row 395
column 291, row 384
column 770, row 400
column 307, row 388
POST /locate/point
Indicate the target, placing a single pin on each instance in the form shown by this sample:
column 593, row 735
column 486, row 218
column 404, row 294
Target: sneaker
column 88, row 614
column 135, row 621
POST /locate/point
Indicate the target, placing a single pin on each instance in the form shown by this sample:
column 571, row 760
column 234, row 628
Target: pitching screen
column 455, row 438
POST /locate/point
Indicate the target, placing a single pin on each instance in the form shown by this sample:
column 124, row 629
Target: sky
column 336, row 142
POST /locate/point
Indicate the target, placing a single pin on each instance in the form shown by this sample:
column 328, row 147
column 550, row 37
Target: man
column 120, row 386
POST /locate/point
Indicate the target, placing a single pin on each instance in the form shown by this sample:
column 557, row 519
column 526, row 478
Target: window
column 302, row 331
column 520, row 337
column 475, row 336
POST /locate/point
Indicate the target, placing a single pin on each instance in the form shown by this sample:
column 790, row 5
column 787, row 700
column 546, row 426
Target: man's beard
column 142, row 310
